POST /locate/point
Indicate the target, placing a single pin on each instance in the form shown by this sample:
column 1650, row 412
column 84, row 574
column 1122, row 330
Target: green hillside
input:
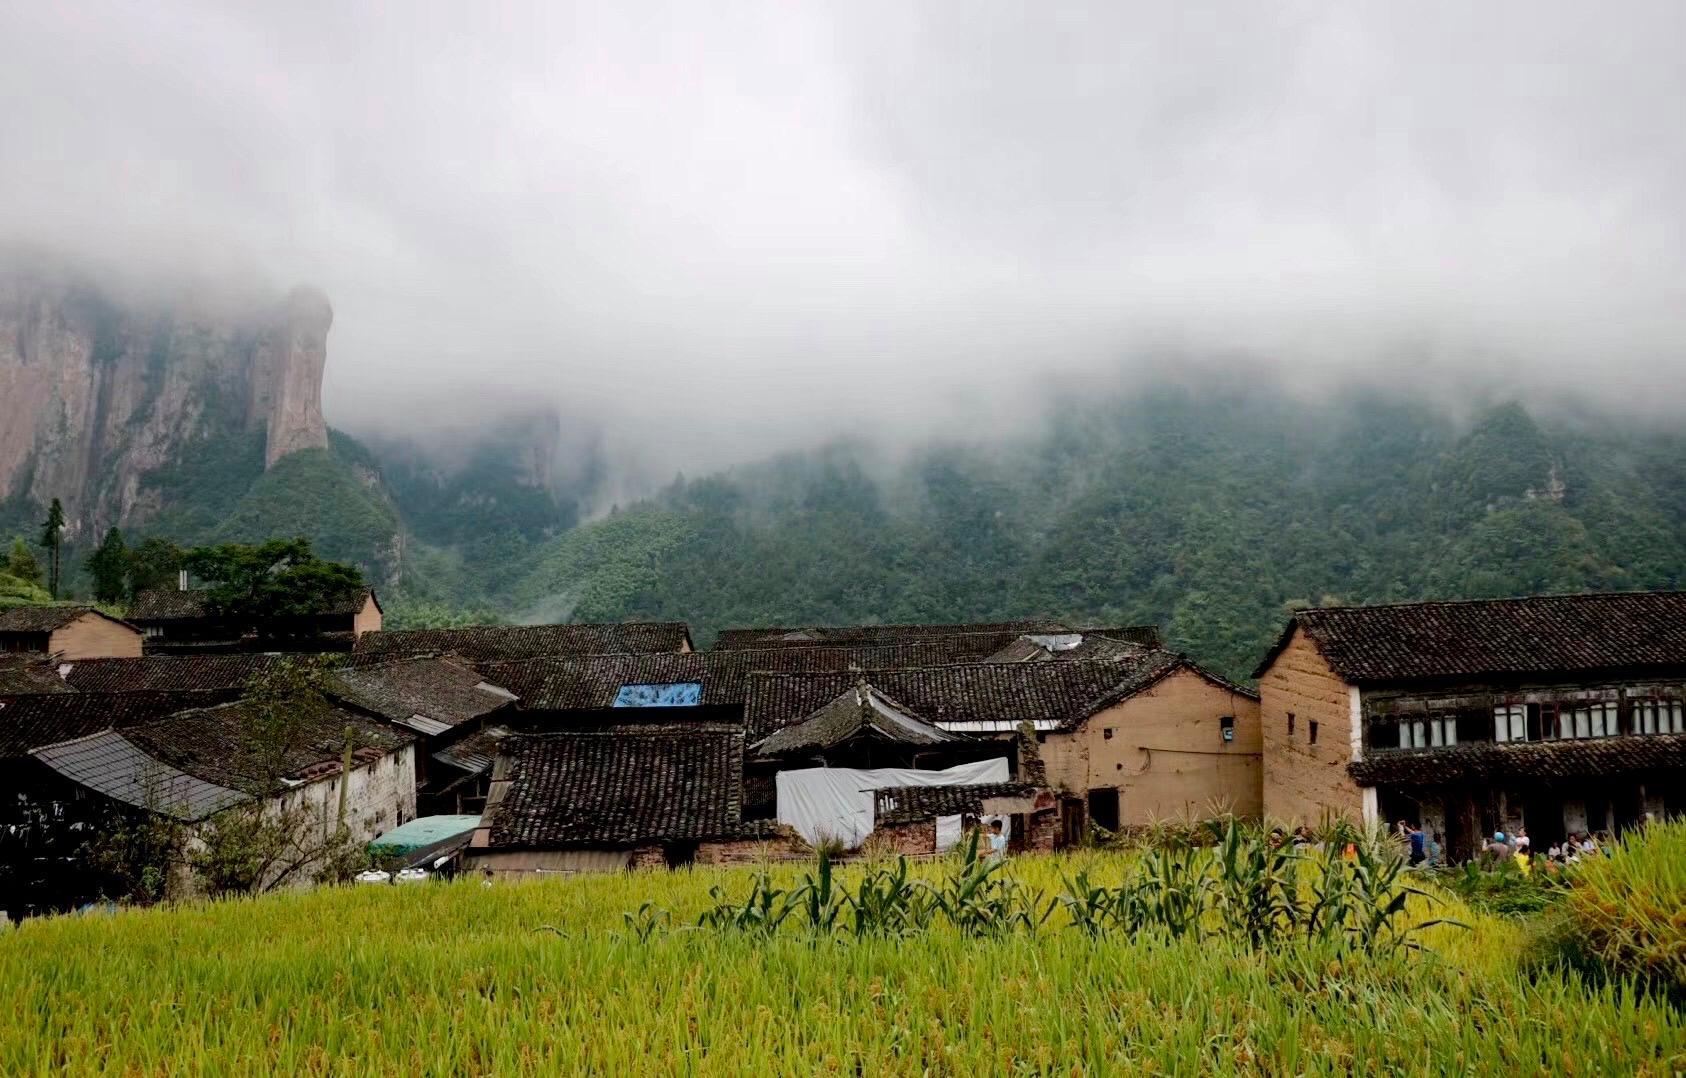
column 1208, row 514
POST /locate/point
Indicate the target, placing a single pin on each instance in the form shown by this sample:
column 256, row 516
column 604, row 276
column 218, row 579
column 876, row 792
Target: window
column 1311, row 728
column 1290, row 724
column 1437, row 732
column 1227, row 724
column 1580, row 720
column 1658, row 717
column 1106, row 734
column 1510, row 722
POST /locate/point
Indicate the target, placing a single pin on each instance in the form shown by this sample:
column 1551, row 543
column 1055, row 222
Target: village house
column 184, row 621
column 1555, row 713
column 75, row 763
column 1125, row 741
column 619, row 797
column 68, row 632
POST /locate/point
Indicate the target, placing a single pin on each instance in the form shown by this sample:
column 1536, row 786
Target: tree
column 109, row 566
column 154, row 565
column 52, row 538
column 281, row 578
column 21, row 563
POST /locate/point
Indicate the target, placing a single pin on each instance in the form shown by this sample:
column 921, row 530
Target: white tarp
column 836, row 802
column 949, row 832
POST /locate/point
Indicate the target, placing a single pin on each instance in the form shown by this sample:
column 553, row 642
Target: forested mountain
column 1207, row 513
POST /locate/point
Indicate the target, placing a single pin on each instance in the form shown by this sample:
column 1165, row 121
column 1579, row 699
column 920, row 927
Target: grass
column 463, row 978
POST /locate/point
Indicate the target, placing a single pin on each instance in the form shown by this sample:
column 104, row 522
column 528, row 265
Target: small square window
column 1311, row 728
column 1227, row 725
column 1107, row 733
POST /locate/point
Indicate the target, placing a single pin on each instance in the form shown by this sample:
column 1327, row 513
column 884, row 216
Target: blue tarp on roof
column 676, row 694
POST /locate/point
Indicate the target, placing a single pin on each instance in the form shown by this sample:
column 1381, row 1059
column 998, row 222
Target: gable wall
column 368, row 619
column 93, row 637
column 1166, row 755
column 1302, row 781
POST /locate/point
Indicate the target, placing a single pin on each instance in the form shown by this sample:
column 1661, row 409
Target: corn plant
column 761, row 912
column 888, row 902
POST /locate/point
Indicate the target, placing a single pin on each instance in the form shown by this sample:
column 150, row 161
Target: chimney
column 181, row 580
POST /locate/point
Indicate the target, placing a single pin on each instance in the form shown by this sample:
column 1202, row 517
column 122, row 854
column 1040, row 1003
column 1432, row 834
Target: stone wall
column 783, row 847
column 1304, row 781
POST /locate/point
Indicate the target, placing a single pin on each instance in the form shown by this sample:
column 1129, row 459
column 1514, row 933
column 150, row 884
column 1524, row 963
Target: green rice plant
column 452, row 979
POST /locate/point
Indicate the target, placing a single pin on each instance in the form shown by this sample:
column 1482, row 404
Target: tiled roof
column 44, row 619
column 167, row 673
column 909, row 804
column 1060, row 647
column 174, row 604
column 475, row 752
column 27, row 672
column 592, row 682
column 787, row 636
column 1541, row 761
column 32, row 721
column 220, row 744
column 1546, row 634
column 112, row 765
column 617, row 788
column 491, row 642
column 990, row 695
column 858, row 709
column 430, row 695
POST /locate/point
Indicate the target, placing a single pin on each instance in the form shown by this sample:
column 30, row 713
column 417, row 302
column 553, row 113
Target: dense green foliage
column 108, row 568
column 1209, row 514
column 548, row 977
column 280, row 578
column 219, row 492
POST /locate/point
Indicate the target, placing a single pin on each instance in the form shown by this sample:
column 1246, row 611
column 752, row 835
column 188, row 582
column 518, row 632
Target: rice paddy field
column 550, row 977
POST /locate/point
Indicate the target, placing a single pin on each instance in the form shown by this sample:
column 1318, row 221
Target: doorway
column 1103, row 807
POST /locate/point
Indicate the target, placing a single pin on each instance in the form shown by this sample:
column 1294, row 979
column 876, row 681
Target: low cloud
column 716, row 231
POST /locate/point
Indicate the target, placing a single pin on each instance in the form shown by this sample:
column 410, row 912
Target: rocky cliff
column 96, row 394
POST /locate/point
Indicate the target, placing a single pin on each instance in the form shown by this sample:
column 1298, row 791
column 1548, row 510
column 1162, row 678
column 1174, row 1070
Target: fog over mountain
column 721, row 230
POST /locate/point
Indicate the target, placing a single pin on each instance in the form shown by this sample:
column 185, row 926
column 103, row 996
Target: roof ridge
column 1402, row 603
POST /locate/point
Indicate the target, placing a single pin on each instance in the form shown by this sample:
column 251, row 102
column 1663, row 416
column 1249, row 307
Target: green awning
column 423, row 832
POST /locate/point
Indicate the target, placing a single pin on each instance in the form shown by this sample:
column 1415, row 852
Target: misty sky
column 719, row 228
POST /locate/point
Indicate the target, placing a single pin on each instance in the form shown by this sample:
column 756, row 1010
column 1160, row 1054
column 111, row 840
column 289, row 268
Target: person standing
column 997, row 842
column 1419, row 845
